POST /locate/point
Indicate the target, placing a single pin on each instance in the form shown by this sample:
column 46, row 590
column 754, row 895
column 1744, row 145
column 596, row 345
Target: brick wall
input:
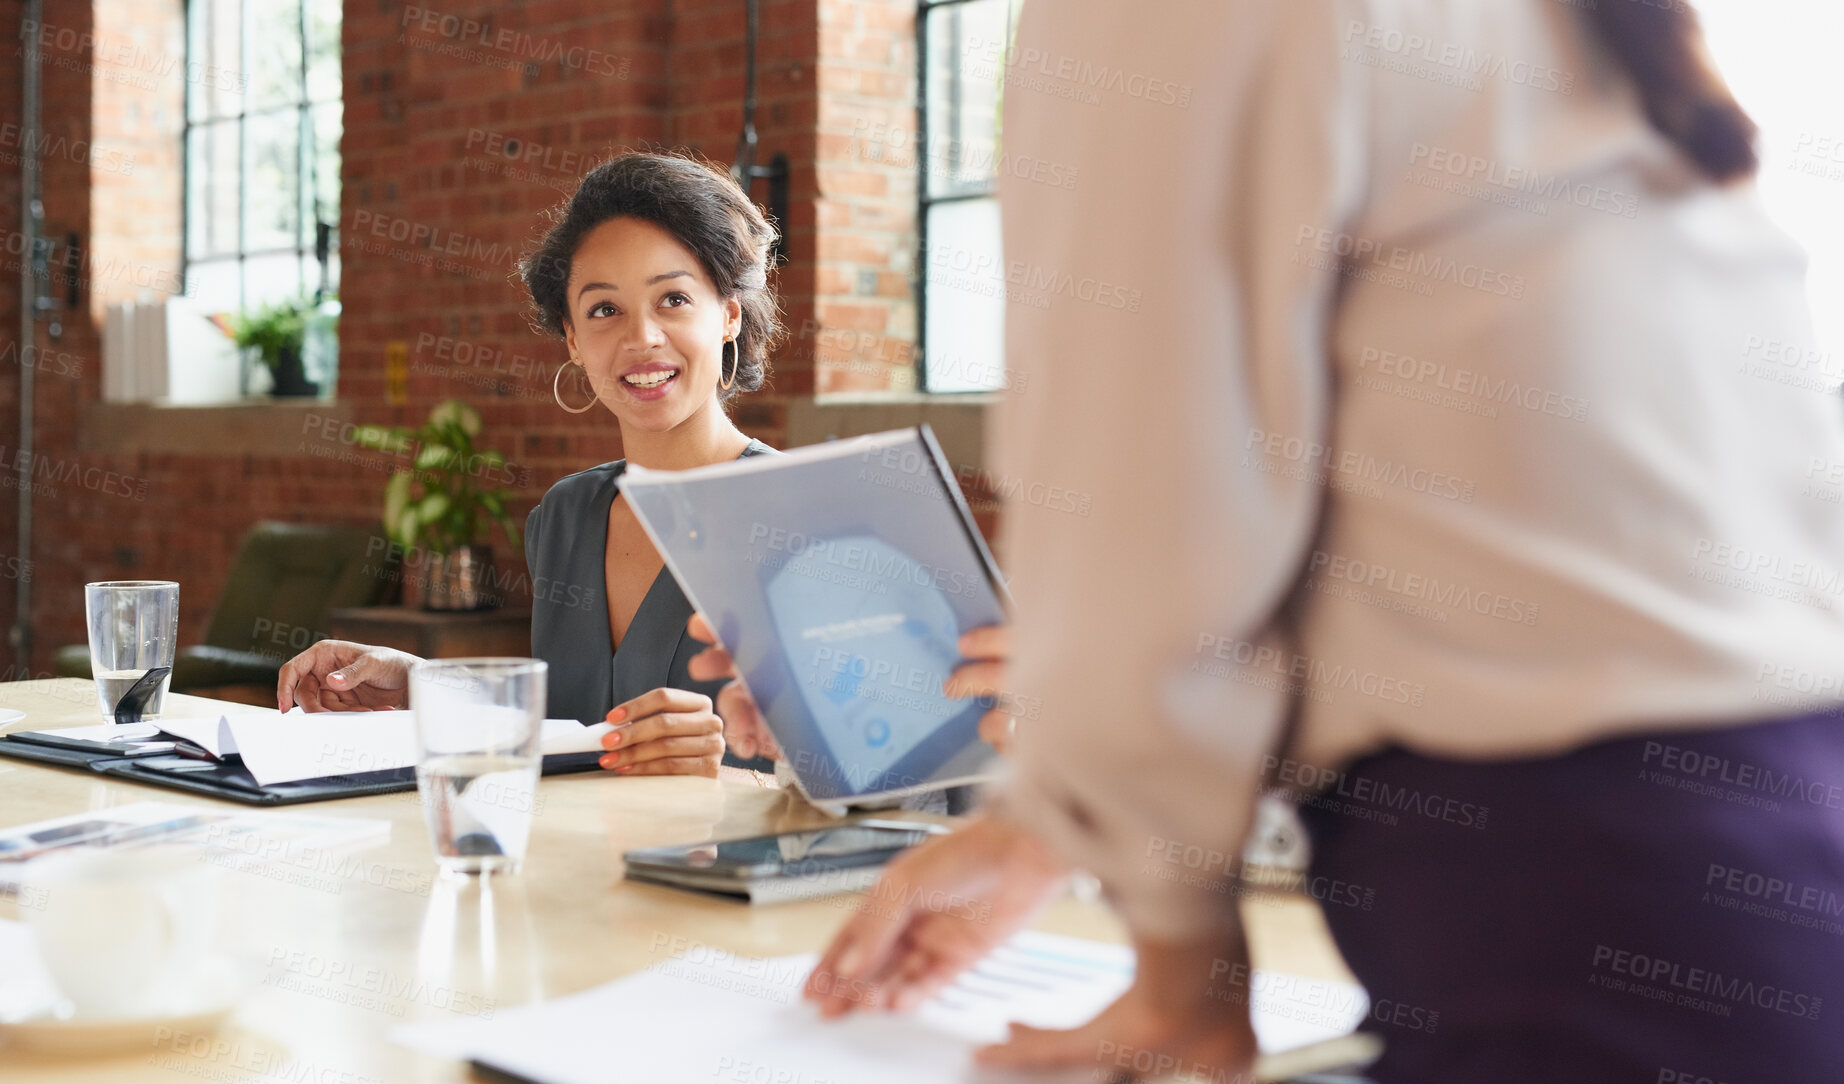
column 464, row 121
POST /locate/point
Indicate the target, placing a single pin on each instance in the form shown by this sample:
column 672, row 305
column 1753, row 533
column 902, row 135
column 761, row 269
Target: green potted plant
column 459, row 494
column 275, row 334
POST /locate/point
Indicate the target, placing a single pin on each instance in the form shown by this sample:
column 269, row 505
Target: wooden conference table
column 334, row 957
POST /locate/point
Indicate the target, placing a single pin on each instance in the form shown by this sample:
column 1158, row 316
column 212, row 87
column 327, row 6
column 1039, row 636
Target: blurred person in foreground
column 1420, row 360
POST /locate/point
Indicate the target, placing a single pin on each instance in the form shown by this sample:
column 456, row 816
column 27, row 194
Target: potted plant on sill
column 275, row 333
column 440, row 527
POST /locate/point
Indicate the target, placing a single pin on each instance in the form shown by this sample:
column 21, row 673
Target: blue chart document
column 840, row 577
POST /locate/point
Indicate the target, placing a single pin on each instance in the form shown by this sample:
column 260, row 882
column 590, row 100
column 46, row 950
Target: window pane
column 270, row 181
column 966, row 62
column 269, row 279
column 215, row 59
column 323, row 78
column 964, row 332
column 211, row 184
column 214, row 285
column 324, row 198
column 273, row 41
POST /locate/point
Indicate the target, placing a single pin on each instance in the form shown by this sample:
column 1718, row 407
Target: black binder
column 230, row 780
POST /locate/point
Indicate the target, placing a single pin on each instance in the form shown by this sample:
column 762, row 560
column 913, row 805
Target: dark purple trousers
column 1662, row 909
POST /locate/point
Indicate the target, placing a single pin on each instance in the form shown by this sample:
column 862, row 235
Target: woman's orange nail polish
column 615, row 715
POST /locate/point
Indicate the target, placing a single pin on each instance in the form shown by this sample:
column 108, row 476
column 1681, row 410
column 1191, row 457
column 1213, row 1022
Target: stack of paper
column 707, row 1014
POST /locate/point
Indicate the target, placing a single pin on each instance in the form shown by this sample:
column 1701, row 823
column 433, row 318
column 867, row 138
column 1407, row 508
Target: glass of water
column 477, row 757
column 134, row 627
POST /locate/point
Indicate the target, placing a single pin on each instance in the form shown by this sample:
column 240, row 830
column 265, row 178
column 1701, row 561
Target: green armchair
column 284, row 579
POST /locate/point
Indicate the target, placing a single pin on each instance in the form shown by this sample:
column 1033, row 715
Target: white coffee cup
column 125, row 933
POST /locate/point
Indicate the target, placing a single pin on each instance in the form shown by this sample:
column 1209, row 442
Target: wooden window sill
column 257, row 426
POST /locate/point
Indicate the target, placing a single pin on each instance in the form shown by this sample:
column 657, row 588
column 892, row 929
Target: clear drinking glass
column 134, row 627
column 477, row 757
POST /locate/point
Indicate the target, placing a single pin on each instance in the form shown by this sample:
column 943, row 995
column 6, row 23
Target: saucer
column 55, row 1030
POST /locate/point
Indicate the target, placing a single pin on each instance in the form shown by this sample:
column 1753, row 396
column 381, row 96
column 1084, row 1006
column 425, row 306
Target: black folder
column 230, row 780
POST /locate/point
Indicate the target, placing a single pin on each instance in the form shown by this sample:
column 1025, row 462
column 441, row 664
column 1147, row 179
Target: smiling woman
column 655, row 273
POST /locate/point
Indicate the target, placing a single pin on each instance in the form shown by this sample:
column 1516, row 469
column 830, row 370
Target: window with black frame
column 262, row 152
column 962, row 52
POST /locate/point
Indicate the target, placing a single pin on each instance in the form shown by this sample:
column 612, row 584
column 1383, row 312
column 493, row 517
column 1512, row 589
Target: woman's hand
column 987, row 651
column 338, row 675
column 743, row 727
column 939, row 908
column 1186, row 1016
column 665, row 732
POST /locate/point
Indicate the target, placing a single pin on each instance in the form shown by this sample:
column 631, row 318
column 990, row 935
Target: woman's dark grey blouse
column 566, row 542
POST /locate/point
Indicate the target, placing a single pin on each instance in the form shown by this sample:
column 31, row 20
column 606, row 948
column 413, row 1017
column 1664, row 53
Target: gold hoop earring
column 557, row 393
column 736, row 362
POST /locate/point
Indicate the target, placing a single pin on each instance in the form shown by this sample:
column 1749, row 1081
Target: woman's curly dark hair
column 703, row 209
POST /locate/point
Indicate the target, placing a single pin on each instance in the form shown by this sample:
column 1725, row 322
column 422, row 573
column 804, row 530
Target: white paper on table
column 26, row 988
column 709, row 1015
column 109, row 732
column 300, row 745
column 212, row 734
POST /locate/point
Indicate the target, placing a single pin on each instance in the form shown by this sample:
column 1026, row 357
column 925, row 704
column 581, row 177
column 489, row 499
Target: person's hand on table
column 338, row 675
column 986, row 653
column 743, row 727
column 664, row 732
column 939, row 908
column 1186, row 1015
